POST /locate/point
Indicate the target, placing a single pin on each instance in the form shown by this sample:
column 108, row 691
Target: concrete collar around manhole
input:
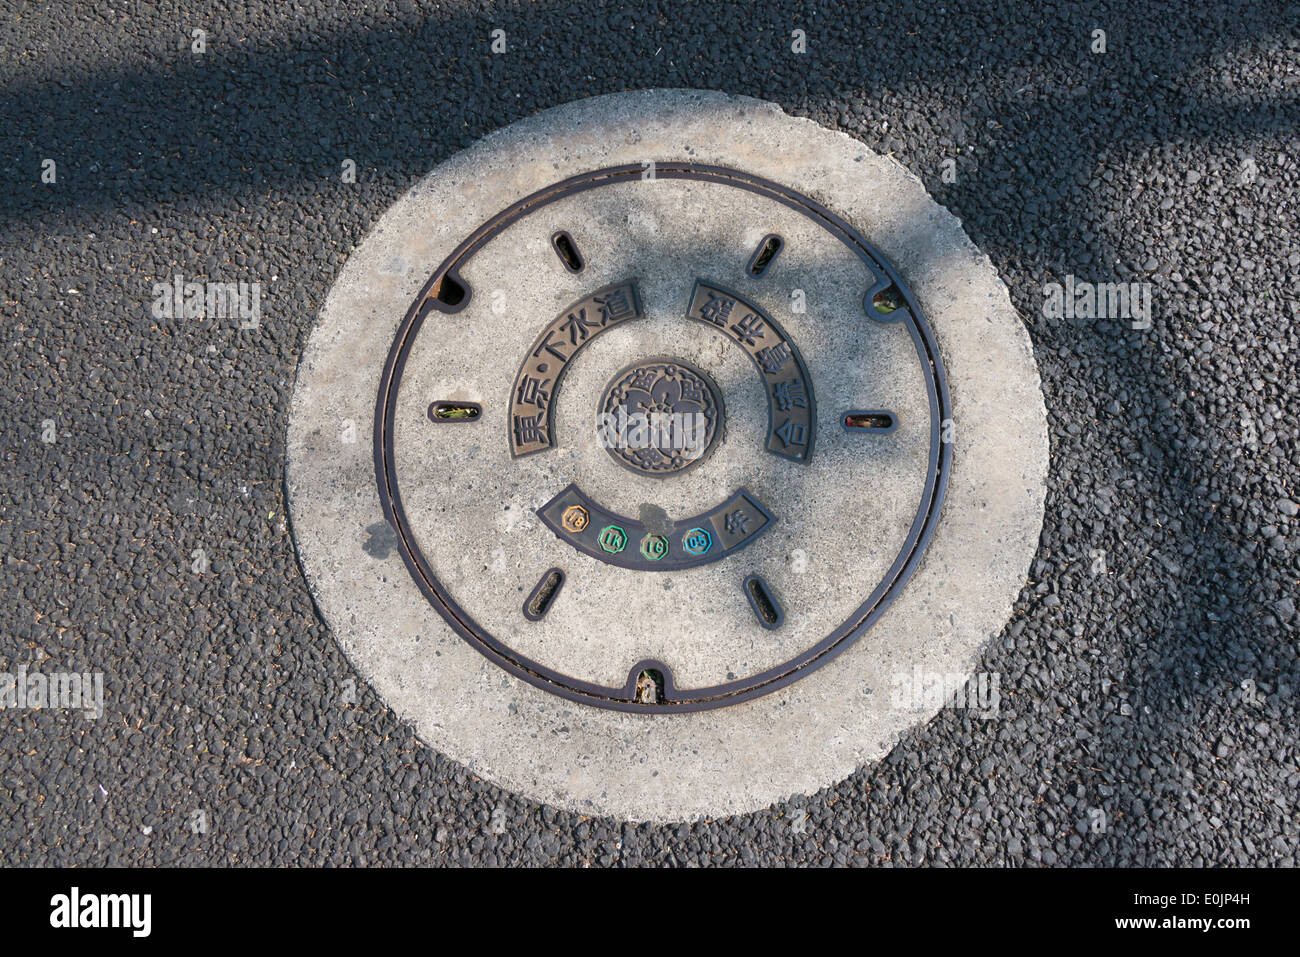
column 702, row 432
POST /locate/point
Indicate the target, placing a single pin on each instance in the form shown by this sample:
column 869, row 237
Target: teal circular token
column 613, row 539
column 654, row 547
column 697, row 541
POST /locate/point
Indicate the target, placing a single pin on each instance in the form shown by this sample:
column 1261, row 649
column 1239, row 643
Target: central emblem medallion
column 660, row 416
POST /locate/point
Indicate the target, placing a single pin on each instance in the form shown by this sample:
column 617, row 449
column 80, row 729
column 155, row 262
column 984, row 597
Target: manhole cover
column 863, row 505
column 664, row 438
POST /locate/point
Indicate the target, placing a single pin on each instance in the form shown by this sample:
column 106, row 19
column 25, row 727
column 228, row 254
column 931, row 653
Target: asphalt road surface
column 1148, row 677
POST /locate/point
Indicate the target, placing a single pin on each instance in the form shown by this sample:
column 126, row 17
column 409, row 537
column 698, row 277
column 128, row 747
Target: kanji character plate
column 693, row 428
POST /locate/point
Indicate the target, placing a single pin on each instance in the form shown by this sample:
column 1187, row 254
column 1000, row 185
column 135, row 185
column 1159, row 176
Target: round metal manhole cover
column 611, row 638
column 694, row 426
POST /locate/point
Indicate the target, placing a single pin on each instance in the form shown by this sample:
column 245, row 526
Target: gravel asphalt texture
column 1148, row 678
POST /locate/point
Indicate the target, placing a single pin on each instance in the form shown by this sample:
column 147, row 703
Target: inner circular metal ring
column 444, row 292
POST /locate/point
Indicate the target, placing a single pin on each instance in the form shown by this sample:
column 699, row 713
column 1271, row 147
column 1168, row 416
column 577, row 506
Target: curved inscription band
column 791, row 409
column 531, row 399
column 628, row 543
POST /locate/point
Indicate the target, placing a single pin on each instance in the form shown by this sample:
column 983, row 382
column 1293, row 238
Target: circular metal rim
column 715, row 393
column 685, row 700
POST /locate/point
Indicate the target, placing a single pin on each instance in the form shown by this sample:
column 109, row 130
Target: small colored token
column 574, row 519
column 613, row 539
column 654, row 547
column 697, row 541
